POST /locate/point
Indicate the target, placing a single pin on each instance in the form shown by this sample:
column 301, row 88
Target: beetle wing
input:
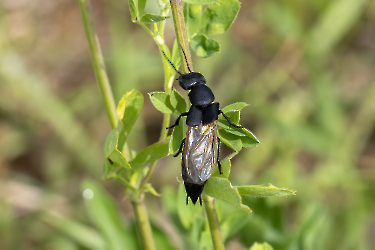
column 200, row 153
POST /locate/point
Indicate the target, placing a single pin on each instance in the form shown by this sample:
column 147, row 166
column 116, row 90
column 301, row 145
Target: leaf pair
column 215, row 19
column 218, row 186
column 168, row 104
column 235, row 138
column 234, row 194
column 137, row 8
column 128, row 111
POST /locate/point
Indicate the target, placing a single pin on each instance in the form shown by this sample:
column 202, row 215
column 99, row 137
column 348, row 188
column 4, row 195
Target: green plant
column 134, row 170
column 306, row 68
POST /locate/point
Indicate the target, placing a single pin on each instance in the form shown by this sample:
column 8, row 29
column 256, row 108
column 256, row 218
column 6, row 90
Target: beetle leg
column 180, row 149
column 218, row 155
column 178, row 120
column 200, row 200
column 229, row 121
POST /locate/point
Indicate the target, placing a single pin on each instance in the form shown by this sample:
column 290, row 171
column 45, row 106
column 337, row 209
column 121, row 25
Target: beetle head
column 187, row 81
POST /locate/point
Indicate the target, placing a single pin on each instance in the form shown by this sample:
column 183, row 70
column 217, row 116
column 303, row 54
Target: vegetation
column 305, row 68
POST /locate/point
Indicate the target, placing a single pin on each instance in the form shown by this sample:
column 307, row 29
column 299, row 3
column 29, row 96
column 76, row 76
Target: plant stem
column 148, row 175
column 213, row 221
column 166, row 119
column 159, row 40
column 177, row 7
column 143, row 224
column 146, row 29
column 105, row 89
column 126, row 183
column 98, row 62
column 181, row 36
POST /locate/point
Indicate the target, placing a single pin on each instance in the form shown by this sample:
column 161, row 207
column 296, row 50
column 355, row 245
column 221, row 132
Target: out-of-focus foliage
column 306, row 68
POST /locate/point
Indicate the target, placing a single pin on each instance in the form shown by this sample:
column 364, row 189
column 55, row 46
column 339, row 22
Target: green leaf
column 149, row 188
column 151, row 18
column 263, row 246
column 141, row 7
column 248, row 142
column 231, row 140
column 233, row 115
column 105, row 215
column 150, row 154
column 177, row 136
column 265, row 190
column 117, row 158
column 234, row 106
column 128, row 111
column 242, row 132
column 192, row 13
column 218, row 17
column 204, row 46
column 225, row 166
column 178, row 102
column 113, row 156
column 201, row 1
column 111, row 141
column 109, row 169
column 247, row 138
column 162, row 102
column 133, row 10
column 222, row 189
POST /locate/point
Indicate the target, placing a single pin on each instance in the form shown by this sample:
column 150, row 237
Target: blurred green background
column 306, row 67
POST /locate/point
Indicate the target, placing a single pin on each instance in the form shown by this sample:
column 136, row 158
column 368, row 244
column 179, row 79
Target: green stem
column 146, row 28
column 148, row 175
column 167, row 82
column 126, row 183
column 98, row 62
column 167, row 117
column 181, row 36
column 143, row 224
column 213, row 221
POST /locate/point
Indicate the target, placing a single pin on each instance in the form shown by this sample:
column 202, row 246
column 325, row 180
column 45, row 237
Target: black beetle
column 201, row 147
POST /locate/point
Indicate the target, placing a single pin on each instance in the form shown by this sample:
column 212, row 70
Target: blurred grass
column 306, row 68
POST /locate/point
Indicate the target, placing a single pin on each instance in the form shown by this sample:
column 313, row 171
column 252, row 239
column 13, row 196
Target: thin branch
column 98, row 62
column 213, row 221
column 143, row 224
column 181, row 36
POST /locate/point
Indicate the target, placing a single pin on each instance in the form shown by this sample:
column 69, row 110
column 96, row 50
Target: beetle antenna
column 170, row 62
column 187, row 64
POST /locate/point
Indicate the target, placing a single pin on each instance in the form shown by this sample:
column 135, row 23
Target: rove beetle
column 201, row 147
